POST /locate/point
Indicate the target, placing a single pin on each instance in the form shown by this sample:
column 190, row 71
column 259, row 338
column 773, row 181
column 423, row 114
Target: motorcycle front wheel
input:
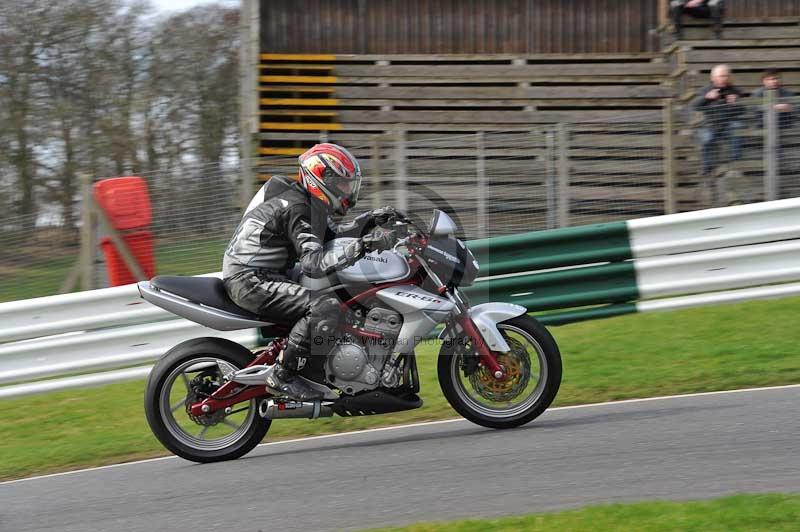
column 533, row 370
column 188, row 373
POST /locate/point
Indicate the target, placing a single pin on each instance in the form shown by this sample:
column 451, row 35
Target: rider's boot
column 289, row 384
column 285, row 380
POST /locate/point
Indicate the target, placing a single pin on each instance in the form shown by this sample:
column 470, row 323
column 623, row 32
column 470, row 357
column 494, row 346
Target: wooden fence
column 458, row 26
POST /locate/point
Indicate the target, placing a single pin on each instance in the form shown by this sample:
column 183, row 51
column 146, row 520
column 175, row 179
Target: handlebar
column 413, row 242
column 413, row 236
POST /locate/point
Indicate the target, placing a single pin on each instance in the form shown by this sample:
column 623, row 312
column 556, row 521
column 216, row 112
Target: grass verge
column 773, row 512
column 716, row 348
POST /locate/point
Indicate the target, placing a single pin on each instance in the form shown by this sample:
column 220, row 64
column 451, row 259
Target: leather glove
column 383, row 215
column 379, row 239
column 352, row 252
column 370, row 219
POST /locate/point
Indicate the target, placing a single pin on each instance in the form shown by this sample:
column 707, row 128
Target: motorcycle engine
column 355, row 367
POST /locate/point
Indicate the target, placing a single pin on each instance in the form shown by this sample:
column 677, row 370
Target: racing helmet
column 331, row 174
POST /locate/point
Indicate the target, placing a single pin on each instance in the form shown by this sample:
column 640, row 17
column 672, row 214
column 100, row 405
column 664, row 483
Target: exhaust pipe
column 269, row 409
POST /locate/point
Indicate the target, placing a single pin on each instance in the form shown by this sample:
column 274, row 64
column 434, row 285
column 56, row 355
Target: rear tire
column 165, row 421
column 476, row 407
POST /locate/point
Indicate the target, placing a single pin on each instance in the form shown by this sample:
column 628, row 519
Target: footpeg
column 252, row 375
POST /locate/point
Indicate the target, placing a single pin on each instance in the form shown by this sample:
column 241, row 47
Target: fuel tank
column 372, row 268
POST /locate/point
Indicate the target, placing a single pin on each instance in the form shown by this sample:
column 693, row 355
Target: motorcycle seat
column 207, row 291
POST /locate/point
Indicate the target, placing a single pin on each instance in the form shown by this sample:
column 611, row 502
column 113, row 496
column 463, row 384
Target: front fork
column 485, row 355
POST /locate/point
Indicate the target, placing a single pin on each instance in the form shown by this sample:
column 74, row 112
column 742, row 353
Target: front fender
column 486, row 317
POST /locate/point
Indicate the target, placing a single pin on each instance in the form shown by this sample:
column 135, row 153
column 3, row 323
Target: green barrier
column 594, row 313
column 574, row 287
column 583, row 283
column 554, row 248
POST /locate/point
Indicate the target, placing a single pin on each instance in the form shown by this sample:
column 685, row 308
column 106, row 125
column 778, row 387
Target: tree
column 19, row 89
column 106, row 88
column 194, row 76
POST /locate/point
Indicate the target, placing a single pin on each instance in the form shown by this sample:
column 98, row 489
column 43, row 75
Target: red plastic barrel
column 141, row 245
column 125, row 201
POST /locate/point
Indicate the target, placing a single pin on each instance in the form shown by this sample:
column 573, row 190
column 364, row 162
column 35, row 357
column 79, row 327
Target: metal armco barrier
column 622, row 268
column 96, row 330
column 655, row 264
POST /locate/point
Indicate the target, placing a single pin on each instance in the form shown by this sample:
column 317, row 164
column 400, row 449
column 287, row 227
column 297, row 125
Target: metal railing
column 106, row 329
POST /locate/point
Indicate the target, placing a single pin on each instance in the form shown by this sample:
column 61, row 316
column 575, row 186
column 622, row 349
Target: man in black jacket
column 288, row 222
column 722, row 116
column 782, row 104
column 713, row 9
column 771, row 81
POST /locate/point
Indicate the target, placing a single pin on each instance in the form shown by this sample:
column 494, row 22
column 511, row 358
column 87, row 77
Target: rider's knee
column 325, row 314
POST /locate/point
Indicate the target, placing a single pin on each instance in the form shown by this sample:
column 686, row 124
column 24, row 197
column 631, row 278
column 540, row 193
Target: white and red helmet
column 331, row 174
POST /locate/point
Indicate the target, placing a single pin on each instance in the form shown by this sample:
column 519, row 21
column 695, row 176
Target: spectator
column 713, row 9
column 771, row 81
column 722, row 116
column 785, row 114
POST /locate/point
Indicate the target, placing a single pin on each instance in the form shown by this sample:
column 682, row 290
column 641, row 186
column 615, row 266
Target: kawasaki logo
column 376, row 259
column 417, row 296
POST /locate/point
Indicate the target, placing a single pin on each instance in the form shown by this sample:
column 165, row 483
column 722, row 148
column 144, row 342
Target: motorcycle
column 206, row 398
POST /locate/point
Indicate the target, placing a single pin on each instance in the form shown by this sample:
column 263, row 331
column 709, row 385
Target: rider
column 287, row 222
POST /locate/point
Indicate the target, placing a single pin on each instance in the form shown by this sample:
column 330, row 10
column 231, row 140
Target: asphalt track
column 668, row 448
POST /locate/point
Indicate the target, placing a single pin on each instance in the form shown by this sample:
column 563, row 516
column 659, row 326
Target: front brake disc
column 517, row 365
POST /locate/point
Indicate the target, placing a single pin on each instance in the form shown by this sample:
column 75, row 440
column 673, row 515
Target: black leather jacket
column 284, row 225
column 718, row 114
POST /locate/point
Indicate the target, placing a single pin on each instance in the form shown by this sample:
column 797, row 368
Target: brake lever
column 401, row 242
column 405, row 241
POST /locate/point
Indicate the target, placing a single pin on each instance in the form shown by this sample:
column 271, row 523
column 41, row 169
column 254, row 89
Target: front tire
column 533, row 366
column 183, row 375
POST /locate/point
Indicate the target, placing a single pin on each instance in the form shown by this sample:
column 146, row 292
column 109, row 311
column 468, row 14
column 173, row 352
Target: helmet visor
column 346, row 188
column 350, row 186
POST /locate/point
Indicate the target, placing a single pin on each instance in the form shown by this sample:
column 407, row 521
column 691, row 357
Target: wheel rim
column 217, row 431
column 503, row 400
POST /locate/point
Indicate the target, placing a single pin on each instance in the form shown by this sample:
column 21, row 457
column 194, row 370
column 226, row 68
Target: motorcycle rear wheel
column 181, row 377
column 533, row 367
